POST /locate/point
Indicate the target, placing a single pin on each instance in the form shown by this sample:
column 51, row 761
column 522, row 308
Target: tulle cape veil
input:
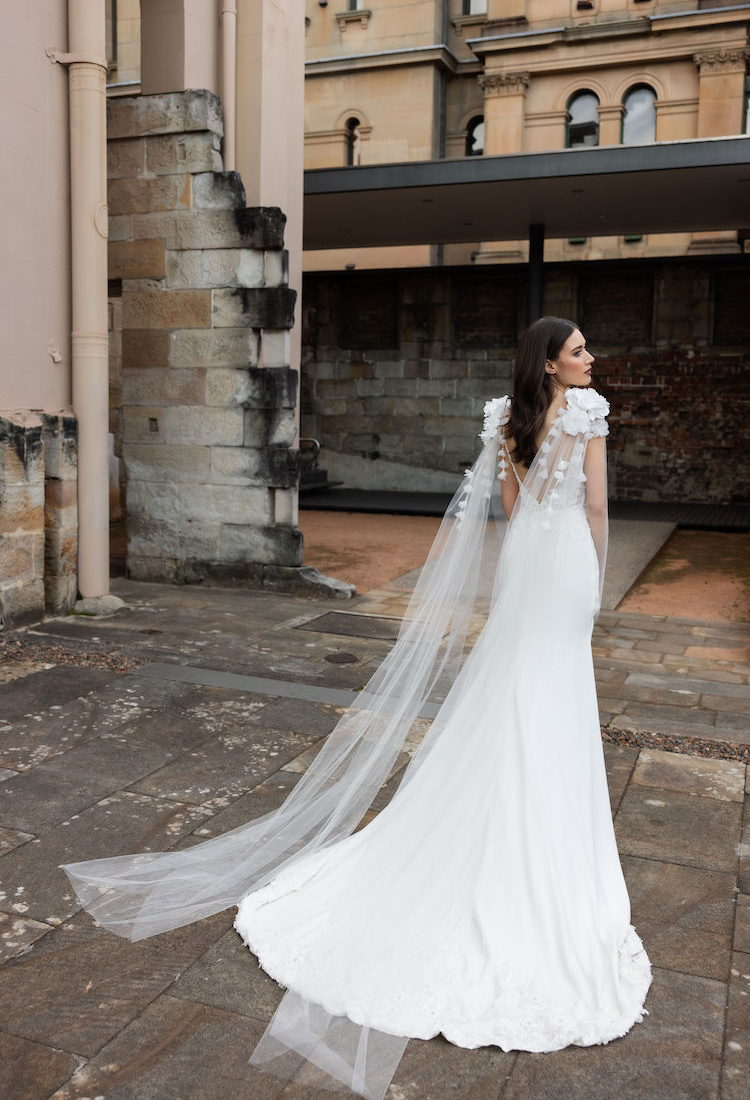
column 137, row 896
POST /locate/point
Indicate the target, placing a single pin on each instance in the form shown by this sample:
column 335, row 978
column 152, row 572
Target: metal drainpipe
column 87, row 67
column 440, row 248
column 229, row 80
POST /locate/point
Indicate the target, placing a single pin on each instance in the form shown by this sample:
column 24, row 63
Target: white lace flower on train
column 585, row 411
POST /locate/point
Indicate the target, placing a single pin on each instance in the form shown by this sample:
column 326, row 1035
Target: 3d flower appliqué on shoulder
column 495, row 417
column 585, row 411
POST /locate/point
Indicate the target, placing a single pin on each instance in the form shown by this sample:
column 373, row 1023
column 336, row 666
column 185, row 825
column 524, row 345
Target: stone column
column 271, row 135
column 504, row 102
column 721, row 98
column 610, row 124
column 179, row 45
column 721, row 91
column 208, row 425
column 504, row 105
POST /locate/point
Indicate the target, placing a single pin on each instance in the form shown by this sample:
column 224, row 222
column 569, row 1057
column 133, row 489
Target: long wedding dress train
column 486, row 901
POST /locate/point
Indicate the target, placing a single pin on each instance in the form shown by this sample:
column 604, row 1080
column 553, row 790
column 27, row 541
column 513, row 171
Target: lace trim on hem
column 523, row 1023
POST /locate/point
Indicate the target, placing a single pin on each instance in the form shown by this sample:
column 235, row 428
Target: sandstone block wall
column 208, row 399
column 397, row 366
column 38, row 515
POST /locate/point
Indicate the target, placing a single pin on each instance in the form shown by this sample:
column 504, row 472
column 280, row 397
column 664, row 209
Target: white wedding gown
column 486, row 901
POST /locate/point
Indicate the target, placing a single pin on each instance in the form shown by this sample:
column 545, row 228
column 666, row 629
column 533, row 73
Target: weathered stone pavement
column 196, row 710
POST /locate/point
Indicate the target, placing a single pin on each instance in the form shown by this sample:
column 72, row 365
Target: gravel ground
column 691, row 746
column 23, row 654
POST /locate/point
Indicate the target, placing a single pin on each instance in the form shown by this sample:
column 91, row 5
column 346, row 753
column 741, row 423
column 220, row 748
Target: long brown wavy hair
column 533, row 388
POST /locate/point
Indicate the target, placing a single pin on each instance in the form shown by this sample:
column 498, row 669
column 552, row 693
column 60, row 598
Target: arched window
column 583, row 121
column 639, row 115
column 475, row 137
column 352, row 141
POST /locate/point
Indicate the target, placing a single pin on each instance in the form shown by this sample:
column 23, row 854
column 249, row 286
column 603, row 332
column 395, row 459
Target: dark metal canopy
column 676, row 186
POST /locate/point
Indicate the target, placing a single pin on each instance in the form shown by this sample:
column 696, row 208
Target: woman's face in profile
column 573, row 365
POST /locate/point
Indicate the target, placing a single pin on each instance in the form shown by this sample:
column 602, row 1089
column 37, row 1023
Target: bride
column 486, row 902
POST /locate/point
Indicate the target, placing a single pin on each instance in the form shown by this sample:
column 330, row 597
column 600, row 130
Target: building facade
column 396, row 81
column 182, row 182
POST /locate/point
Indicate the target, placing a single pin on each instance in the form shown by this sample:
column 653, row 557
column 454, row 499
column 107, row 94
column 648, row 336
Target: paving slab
column 743, row 850
column 742, row 924
column 722, row 779
column 50, row 686
column 30, row 740
column 228, row 976
column 684, row 914
column 264, row 798
column 80, row 987
column 674, row 1054
column 619, row 761
column 223, row 768
column 736, row 1068
column 679, row 828
column 31, row 1071
column 11, row 838
column 179, row 1050
column 301, row 716
column 437, row 1070
column 18, row 933
column 34, row 885
column 64, row 785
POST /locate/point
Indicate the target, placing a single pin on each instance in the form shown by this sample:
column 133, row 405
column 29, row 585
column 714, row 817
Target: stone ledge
column 167, row 113
column 301, row 580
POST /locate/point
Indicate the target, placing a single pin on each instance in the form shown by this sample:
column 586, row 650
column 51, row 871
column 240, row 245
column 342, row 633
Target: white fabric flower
column 575, row 420
column 585, row 411
column 495, row 415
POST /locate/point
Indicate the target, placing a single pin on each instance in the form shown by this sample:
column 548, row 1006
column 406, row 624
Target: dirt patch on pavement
column 366, row 550
column 696, row 575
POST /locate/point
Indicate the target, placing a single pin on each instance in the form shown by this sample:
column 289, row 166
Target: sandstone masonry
column 208, row 398
column 38, row 515
column 397, row 366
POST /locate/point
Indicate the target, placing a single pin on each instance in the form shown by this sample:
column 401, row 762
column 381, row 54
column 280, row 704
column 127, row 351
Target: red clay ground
column 364, row 549
column 697, row 574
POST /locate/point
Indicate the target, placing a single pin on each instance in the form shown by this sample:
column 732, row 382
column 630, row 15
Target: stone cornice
column 722, row 60
column 497, row 84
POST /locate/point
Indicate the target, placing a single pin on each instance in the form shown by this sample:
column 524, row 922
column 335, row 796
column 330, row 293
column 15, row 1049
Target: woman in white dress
column 486, row 902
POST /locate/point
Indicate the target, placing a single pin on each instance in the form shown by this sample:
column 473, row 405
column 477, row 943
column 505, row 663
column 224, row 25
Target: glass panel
column 475, row 138
column 583, row 120
column 639, row 118
column 352, row 141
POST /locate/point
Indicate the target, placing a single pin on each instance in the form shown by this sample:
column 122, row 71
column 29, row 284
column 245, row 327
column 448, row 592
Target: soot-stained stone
column 261, row 226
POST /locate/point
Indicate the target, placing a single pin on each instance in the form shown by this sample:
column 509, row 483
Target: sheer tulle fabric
column 399, row 982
